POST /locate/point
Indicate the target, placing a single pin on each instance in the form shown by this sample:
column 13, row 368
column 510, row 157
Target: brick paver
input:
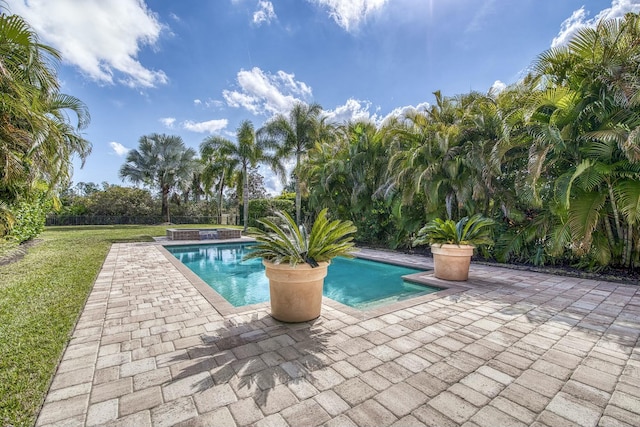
column 508, row 347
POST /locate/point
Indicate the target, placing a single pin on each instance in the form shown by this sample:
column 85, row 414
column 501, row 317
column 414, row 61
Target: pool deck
column 506, row 348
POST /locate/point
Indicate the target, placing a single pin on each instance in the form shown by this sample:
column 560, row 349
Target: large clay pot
column 451, row 262
column 296, row 292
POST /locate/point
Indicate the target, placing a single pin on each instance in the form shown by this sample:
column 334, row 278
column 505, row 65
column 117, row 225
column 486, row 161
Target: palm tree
column 218, row 170
column 585, row 125
column 220, row 154
column 161, row 161
column 428, row 158
column 37, row 141
column 325, row 173
column 294, row 134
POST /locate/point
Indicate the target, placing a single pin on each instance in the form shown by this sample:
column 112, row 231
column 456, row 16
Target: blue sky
column 198, row 68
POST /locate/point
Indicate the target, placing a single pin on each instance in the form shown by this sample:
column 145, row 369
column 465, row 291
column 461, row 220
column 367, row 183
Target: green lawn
column 41, row 297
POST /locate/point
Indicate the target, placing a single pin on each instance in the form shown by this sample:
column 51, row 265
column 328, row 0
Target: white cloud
column 209, row 103
column 272, row 183
column 168, row 121
column 497, row 87
column 210, row 126
column 400, row 112
column 349, row 14
column 263, row 93
column 352, row 110
column 569, row 27
column 118, row 148
column 101, row 38
column 264, row 13
column 359, row 110
column 578, row 19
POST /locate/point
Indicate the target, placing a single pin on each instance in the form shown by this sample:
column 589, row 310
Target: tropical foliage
column 553, row 160
column 30, row 214
column 162, row 162
column 294, row 135
column 266, row 207
column 235, row 160
column 37, row 139
column 468, row 231
column 286, row 242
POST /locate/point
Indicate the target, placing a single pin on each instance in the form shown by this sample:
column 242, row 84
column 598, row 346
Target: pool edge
column 225, row 308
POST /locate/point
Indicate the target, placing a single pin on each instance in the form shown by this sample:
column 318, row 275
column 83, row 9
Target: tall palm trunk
column 628, row 245
column 609, row 231
column 245, row 196
column 298, row 195
column 614, row 208
column 165, row 204
column 221, row 188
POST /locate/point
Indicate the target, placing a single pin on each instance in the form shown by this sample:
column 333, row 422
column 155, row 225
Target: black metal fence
column 138, row 220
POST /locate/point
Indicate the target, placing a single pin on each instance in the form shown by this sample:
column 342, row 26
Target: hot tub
column 203, row 233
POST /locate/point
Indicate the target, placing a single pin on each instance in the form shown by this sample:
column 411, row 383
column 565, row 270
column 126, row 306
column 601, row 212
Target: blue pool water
column 355, row 282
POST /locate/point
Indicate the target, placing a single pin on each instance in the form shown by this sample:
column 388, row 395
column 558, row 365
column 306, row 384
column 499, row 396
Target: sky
column 198, row 68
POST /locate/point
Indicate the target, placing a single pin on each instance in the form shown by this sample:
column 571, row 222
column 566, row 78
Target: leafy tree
column 37, row 140
column 294, row 135
column 222, row 155
column 120, row 201
column 87, row 188
column 585, row 131
column 162, row 162
column 265, row 208
column 257, row 189
column 345, row 172
column 218, row 171
column 192, row 188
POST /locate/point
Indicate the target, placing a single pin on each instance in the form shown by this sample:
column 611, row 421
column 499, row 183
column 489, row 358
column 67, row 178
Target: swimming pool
column 354, row 282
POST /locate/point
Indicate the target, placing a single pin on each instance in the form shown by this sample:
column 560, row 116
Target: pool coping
column 225, row 308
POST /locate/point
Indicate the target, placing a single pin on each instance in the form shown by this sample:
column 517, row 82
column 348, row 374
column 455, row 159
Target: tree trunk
column 614, row 208
column 245, row 196
column 449, row 205
column 628, row 244
column 220, row 198
column 607, row 226
column 165, row 204
column 298, row 195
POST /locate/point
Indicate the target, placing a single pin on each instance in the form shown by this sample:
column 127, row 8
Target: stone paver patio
column 512, row 348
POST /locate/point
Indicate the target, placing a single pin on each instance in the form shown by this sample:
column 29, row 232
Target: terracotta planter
column 296, row 292
column 451, row 262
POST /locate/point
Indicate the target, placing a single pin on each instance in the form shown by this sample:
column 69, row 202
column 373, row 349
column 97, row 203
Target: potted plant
column 296, row 262
column 452, row 244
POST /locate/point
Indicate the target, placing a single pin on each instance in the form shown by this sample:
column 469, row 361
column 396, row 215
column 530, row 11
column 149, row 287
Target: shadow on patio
column 255, row 356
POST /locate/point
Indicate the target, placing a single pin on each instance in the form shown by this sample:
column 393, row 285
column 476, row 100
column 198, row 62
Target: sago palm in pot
column 296, row 262
column 452, row 244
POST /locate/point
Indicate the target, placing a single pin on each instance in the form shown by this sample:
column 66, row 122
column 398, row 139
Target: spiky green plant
column 290, row 243
column 468, row 231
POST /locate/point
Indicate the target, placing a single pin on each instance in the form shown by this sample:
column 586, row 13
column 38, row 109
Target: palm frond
column 468, row 231
column 288, row 243
column 584, row 213
column 628, row 195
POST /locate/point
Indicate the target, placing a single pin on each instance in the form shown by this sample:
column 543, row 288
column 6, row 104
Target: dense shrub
column 195, row 209
column 261, row 208
column 30, row 215
column 121, row 201
column 375, row 225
